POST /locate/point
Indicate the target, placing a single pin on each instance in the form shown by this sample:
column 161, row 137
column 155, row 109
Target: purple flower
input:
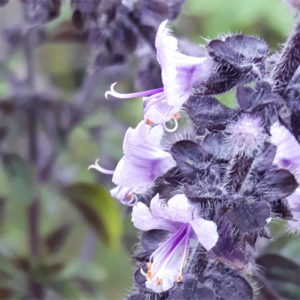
column 288, row 157
column 178, row 217
column 179, row 74
column 143, row 161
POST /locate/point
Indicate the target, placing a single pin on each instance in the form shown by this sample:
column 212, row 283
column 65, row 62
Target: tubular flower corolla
column 143, row 161
column 178, row 217
column 179, row 74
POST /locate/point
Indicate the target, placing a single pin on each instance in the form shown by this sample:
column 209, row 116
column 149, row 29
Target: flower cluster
column 202, row 203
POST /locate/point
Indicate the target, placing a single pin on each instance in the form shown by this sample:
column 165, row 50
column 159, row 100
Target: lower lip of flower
column 168, row 248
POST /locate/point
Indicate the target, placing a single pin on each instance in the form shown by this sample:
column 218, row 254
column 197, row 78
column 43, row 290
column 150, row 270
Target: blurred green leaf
column 217, row 16
column 99, row 209
column 20, row 178
column 67, row 289
column 84, row 270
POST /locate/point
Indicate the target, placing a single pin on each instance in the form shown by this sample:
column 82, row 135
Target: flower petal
column 122, row 194
column 179, row 72
column 288, row 149
column 144, row 220
column 144, row 160
column 157, row 112
column 176, row 210
column 206, row 232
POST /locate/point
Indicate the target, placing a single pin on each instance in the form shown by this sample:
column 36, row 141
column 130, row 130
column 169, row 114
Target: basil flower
column 179, row 74
column 143, row 161
column 179, row 218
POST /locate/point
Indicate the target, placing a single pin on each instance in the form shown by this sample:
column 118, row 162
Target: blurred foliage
column 95, row 204
column 67, row 266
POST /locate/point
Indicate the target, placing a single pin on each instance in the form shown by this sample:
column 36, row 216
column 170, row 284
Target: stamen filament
column 113, row 93
column 167, row 257
column 164, row 122
column 174, row 242
column 100, row 169
column 168, row 241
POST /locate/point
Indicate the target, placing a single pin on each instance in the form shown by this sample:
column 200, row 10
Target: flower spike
column 164, row 122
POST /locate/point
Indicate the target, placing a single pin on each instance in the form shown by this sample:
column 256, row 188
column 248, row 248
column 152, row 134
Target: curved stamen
column 164, row 122
column 100, row 169
column 153, row 102
column 113, row 93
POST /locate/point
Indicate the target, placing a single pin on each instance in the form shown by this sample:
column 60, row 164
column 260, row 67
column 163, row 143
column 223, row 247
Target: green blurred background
column 109, row 260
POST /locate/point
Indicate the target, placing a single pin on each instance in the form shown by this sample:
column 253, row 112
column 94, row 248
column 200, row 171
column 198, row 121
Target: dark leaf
column 229, row 252
column 278, row 184
column 192, row 292
column 281, row 209
column 263, row 161
column 245, row 96
column 250, row 99
column 78, row 20
column 249, row 217
column 174, row 177
column 191, row 158
column 239, row 49
column 150, row 239
column 234, row 287
column 288, row 63
column 239, row 169
column 208, row 112
column 104, row 60
column 222, row 79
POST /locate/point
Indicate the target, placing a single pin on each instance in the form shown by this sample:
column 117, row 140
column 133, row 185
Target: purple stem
column 36, row 290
